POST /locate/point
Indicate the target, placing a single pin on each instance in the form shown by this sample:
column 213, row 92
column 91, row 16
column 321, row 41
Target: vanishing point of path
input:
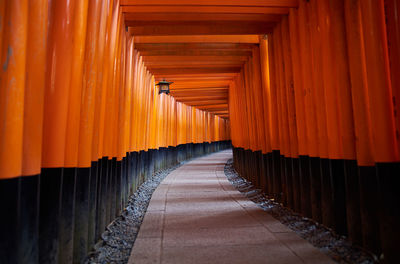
column 196, row 216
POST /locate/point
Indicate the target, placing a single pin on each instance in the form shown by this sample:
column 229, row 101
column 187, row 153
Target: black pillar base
column 369, row 207
column 9, row 205
column 305, row 183
column 28, row 223
column 51, row 180
column 389, row 182
column 353, row 202
column 66, row 244
column 93, row 185
column 327, row 206
column 82, row 212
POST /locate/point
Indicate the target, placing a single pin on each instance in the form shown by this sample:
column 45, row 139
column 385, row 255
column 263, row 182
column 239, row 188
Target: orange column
column 13, row 57
column 34, row 87
column 283, row 112
column 289, row 83
column 111, row 54
column 342, row 81
column 307, row 73
column 393, row 32
column 58, row 76
column 75, row 88
column 379, row 85
column 274, row 127
column 327, row 92
column 122, row 115
column 359, row 89
column 299, row 91
column 266, row 96
column 318, row 89
column 96, row 61
column 258, row 98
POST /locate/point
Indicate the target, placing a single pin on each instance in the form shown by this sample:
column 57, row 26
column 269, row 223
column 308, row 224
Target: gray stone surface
column 196, row 216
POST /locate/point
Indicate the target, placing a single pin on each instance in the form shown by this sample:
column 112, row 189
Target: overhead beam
column 137, row 9
column 166, row 71
column 200, row 98
column 206, row 102
column 196, row 52
column 214, row 111
column 195, row 89
column 258, row 3
column 198, row 39
column 193, row 58
column 213, row 107
column 131, row 18
column 161, row 28
column 200, row 84
column 180, row 46
column 198, row 93
column 184, row 64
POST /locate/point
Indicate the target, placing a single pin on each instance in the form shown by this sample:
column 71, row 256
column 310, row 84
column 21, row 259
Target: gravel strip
column 117, row 241
column 335, row 246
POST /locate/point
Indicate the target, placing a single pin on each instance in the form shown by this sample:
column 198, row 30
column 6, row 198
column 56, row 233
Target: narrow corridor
column 197, row 216
column 98, row 96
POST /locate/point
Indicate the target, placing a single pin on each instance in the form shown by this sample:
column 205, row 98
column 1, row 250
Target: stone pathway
column 196, row 216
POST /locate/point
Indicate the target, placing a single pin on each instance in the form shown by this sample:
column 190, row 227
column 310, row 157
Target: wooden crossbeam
column 257, row 3
column 161, row 28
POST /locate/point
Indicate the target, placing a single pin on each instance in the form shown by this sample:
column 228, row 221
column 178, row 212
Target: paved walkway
column 196, row 216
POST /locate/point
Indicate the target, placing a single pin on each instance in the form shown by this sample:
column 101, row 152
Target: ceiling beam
column 196, row 52
column 206, row 102
column 161, row 28
column 199, row 83
column 198, row 39
column 180, row 46
column 183, row 64
column 213, row 107
column 132, row 17
column 198, row 93
column 194, row 89
column 200, row 98
column 137, row 9
column 257, row 3
column 193, row 58
column 166, row 71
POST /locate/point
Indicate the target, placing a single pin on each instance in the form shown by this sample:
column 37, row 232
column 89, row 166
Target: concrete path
column 197, row 216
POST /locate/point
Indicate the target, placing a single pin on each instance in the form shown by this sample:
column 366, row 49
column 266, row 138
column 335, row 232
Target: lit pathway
column 197, row 216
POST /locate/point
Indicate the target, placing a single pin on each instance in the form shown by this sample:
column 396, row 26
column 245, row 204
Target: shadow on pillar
column 66, row 223
column 51, row 180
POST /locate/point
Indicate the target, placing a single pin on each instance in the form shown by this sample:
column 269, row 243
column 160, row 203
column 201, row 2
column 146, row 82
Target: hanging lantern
column 163, row 87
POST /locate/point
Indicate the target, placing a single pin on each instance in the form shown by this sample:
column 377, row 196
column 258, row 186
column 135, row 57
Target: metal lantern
column 163, row 87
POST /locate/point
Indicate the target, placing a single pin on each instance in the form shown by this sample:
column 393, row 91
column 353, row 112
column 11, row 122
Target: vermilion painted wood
column 380, row 100
column 328, row 95
column 355, row 47
column 290, row 97
column 342, row 82
column 266, row 95
column 272, row 3
column 299, row 91
column 273, row 95
column 137, row 9
column 305, row 56
column 34, row 88
column 392, row 9
column 60, row 45
column 13, row 54
column 75, row 90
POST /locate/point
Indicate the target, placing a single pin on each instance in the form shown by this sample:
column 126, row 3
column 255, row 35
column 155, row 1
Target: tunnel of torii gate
column 306, row 92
